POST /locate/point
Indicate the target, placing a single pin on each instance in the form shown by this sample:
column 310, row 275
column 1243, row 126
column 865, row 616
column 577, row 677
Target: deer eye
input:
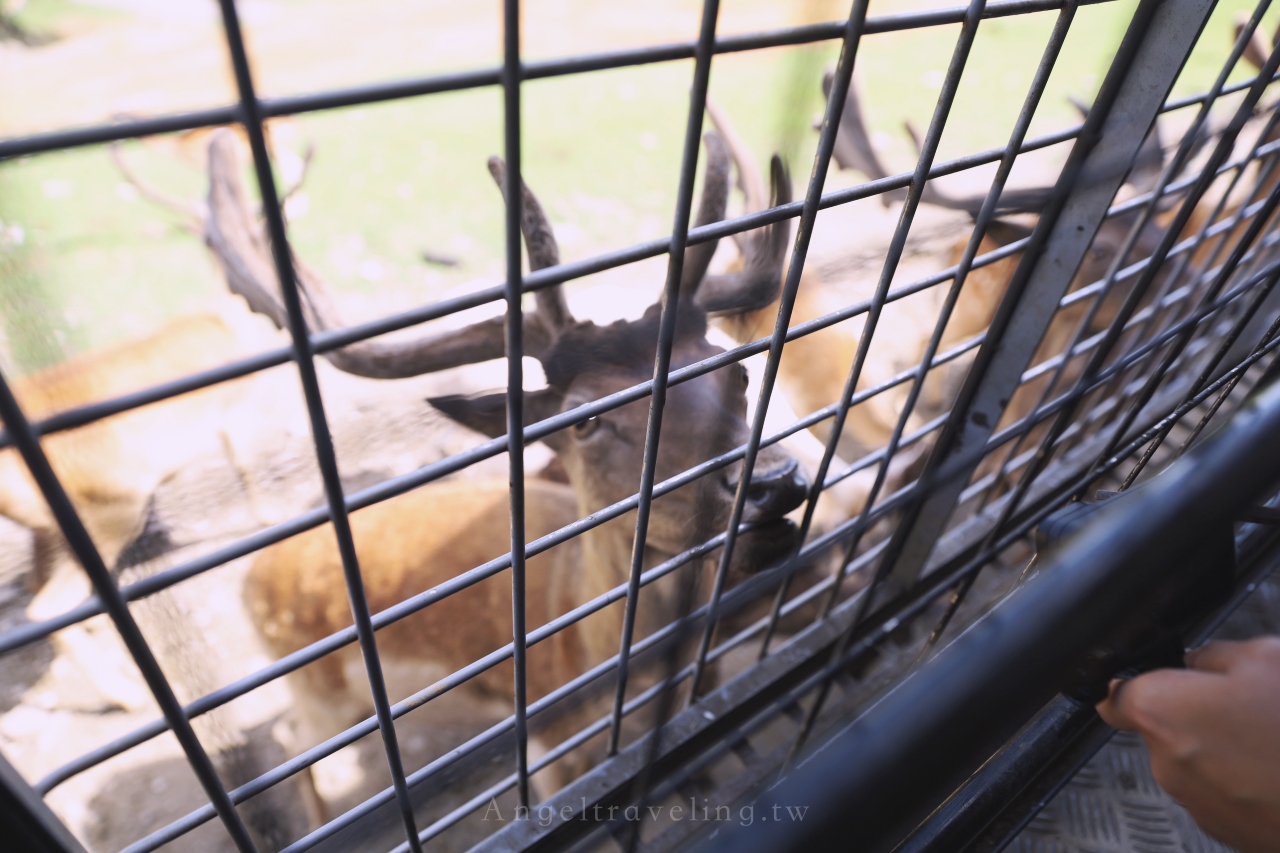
column 584, row 428
column 743, row 376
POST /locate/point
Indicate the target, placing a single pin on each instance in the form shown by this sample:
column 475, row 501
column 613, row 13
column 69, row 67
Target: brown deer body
column 111, row 468
column 296, row 595
column 293, row 602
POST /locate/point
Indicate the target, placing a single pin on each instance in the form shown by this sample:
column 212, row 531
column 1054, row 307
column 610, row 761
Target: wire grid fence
column 1176, row 330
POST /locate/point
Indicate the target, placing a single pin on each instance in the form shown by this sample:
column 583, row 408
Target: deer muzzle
column 778, row 485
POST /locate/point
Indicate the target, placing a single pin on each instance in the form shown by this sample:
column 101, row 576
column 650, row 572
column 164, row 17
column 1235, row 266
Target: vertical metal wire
column 81, row 544
column 1068, row 413
column 1170, row 169
column 1179, row 343
column 515, row 379
column 983, row 220
column 1139, row 288
column 662, row 358
column 326, row 459
column 800, row 250
column 929, row 149
column 1263, row 289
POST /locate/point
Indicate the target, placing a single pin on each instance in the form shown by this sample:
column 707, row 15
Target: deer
column 294, row 590
column 112, row 467
column 814, row 368
column 985, row 285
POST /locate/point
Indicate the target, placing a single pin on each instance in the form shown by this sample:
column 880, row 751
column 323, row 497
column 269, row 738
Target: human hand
column 1214, row 735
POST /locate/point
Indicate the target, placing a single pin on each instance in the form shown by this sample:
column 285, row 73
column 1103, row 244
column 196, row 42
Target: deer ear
column 487, row 413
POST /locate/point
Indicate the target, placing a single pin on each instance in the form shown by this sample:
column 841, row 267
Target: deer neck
column 606, row 565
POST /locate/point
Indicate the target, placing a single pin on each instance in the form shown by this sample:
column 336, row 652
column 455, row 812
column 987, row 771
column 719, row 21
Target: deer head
column 583, row 361
column 703, row 418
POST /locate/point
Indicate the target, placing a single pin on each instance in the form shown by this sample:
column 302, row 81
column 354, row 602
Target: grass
column 389, row 181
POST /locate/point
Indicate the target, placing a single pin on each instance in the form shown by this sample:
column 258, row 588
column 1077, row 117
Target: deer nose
column 775, row 489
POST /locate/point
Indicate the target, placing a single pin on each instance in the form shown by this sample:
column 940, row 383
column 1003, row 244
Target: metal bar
column 325, row 456
column 942, row 110
column 1015, row 811
column 81, row 545
column 511, row 79
column 412, row 605
column 670, row 303
column 790, row 288
column 1154, row 48
column 940, row 721
column 458, row 81
column 26, row 823
column 325, row 341
column 1120, row 322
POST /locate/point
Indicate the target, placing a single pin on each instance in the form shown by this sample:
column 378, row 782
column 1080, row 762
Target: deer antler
column 1257, row 50
column 191, row 217
column 1028, row 200
column 755, row 285
column 763, row 251
column 711, row 208
column 307, row 157
column 540, row 243
column 238, row 242
column 853, row 148
column 748, row 172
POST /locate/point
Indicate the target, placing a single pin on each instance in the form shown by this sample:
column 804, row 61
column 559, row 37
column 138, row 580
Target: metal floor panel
column 1113, row 805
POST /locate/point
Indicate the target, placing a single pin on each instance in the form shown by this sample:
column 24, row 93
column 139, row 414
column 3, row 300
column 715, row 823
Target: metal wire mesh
column 1179, row 326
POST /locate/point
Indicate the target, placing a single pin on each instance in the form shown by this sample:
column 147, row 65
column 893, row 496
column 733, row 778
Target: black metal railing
column 1193, row 333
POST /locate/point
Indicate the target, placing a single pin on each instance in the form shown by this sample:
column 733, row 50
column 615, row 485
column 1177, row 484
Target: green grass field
column 84, row 263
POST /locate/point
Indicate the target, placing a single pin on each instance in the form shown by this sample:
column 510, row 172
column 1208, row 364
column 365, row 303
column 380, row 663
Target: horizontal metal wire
column 878, row 634
column 327, row 341
column 336, row 641
column 246, row 791
column 530, row 70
